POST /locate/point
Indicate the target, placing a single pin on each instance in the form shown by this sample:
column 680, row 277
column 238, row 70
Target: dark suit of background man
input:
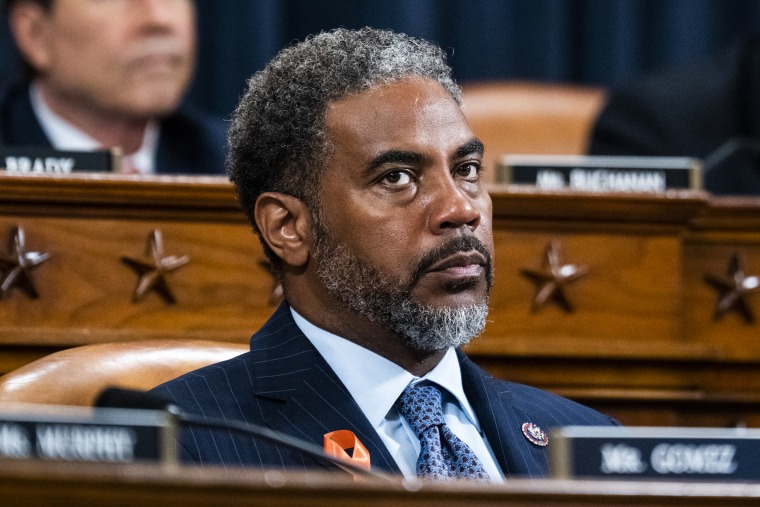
column 352, row 159
column 709, row 109
column 105, row 74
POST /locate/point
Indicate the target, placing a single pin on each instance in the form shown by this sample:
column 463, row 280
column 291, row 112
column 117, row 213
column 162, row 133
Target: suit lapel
column 22, row 127
column 312, row 400
column 502, row 422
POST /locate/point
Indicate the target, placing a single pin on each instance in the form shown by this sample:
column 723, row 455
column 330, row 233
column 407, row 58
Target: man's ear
column 285, row 224
column 29, row 24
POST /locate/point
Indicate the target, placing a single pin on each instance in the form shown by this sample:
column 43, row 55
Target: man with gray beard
column 361, row 177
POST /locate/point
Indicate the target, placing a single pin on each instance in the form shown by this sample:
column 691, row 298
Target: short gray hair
column 277, row 138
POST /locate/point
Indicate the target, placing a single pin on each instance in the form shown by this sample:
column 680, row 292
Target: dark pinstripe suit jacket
column 285, row 384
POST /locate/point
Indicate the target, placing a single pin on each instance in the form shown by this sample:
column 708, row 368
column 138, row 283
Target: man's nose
column 451, row 207
column 160, row 12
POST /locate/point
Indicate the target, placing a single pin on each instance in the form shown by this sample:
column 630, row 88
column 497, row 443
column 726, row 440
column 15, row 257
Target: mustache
column 163, row 46
column 456, row 245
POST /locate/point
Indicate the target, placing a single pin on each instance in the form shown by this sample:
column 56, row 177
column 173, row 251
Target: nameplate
column 78, row 434
column 50, row 161
column 601, row 174
column 656, row 453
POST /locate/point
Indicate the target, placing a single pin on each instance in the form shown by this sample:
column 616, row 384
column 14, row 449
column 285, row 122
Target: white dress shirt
column 65, row 136
column 375, row 383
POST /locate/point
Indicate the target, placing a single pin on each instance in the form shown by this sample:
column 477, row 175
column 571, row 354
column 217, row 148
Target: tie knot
column 421, row 406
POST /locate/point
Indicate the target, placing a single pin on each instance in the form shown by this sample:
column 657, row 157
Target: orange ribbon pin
column 337, row 443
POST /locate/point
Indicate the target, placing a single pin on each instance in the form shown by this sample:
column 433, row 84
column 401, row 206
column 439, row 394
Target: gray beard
column 430, row 329
column 361, row 288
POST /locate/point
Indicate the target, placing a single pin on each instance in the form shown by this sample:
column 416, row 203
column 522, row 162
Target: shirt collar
column 144, row 158
column 448, row 375
column 62, row 134
column 373, row 381
column 65, row 136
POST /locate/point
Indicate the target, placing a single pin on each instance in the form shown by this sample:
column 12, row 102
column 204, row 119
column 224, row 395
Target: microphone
column 116, row 397
column 733, row 146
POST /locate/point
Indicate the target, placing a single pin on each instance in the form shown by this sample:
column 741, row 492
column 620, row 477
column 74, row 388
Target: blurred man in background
column 110, row 74
column 709, row 109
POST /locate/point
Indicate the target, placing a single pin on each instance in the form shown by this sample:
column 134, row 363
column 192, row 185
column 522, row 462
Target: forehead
column 413, row 114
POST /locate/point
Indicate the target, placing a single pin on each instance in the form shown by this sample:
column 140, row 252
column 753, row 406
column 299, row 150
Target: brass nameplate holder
column 601, row 173
column 81, row 434
column 34, row 160
column 652, row 453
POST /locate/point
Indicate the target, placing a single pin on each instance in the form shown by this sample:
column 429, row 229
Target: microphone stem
column 276, row 437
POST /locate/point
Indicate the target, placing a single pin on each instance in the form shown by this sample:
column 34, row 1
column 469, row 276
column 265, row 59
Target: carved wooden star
column 16, row 266
column 733, row 289
column 553, row 277
column 153, row 274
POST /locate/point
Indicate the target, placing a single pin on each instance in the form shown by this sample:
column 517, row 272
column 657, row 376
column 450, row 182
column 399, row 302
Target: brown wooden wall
column 643, row 340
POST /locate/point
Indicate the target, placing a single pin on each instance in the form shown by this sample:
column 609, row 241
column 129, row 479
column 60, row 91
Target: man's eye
column 469, row 172
column 397, row 178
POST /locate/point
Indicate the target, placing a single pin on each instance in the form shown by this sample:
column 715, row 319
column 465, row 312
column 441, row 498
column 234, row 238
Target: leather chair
column 523, row 117
column 77, row 375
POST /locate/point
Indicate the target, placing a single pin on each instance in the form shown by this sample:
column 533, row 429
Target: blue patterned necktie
column 442, row 454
